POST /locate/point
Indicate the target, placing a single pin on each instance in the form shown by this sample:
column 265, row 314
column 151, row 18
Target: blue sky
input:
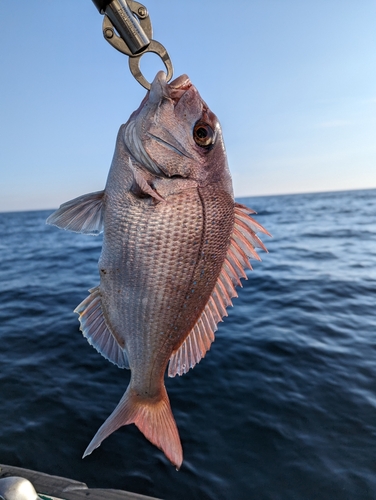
column 292, row 82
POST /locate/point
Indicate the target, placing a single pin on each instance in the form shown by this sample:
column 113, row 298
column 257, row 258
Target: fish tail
column 153, row 417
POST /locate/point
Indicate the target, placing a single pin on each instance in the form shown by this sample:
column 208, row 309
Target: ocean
column 283, row 407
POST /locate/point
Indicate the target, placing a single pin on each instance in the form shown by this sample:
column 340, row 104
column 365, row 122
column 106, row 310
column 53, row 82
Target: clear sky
column 293, row 83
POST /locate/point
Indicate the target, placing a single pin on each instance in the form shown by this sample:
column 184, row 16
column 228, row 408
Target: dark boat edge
column 67, row 489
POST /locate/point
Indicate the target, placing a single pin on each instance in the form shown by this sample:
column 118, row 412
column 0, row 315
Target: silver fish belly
column 174, row 248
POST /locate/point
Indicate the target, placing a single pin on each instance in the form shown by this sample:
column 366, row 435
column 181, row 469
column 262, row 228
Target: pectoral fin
column 141, row 186
column 241, row 249
column 81, row 215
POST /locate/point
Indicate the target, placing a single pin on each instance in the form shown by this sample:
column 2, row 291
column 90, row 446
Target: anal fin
column 95, row 330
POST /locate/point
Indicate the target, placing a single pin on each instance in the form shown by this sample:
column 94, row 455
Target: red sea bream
column 175, row 246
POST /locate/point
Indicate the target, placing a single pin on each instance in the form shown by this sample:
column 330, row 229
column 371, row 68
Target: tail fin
column 154, row 419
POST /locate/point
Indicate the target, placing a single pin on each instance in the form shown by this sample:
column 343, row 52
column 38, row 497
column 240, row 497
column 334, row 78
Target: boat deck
column 60, row 488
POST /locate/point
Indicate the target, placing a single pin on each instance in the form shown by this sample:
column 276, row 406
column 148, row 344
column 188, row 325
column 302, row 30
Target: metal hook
column 156, row 48
column 131, row 19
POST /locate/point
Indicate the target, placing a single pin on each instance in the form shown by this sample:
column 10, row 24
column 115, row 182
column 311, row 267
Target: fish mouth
column 161, row 89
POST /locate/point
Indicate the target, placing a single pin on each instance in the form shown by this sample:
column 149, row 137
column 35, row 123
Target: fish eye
column 203, row 134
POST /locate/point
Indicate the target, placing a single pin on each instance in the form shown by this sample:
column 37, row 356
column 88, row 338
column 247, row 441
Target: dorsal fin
column 95, row 330
column 242, row 248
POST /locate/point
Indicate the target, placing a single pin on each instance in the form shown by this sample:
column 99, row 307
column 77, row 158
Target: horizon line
column 236, row 197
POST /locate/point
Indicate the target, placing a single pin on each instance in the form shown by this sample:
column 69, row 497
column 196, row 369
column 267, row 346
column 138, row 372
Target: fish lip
column 160, row 89
column 181, row 82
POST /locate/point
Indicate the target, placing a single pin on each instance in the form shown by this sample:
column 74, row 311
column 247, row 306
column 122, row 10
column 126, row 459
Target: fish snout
column 158, row 88
column 161, row 89
column 182, row 82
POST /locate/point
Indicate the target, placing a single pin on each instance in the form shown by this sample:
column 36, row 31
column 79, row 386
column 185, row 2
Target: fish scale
column 174, row 248
column 168, row 288
column 162, row 241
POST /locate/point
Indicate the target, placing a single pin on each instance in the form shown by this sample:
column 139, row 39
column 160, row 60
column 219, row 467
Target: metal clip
column 131, row 20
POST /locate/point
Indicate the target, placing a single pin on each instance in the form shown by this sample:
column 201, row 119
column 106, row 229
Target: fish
column 175, row 246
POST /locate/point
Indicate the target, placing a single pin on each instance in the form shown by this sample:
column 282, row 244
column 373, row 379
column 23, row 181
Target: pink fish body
column 174, row 248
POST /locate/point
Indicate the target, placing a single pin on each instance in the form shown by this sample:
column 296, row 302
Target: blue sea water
column 283, row 407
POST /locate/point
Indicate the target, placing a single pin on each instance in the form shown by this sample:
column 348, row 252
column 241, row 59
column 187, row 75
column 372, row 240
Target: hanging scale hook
column 133, row 35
